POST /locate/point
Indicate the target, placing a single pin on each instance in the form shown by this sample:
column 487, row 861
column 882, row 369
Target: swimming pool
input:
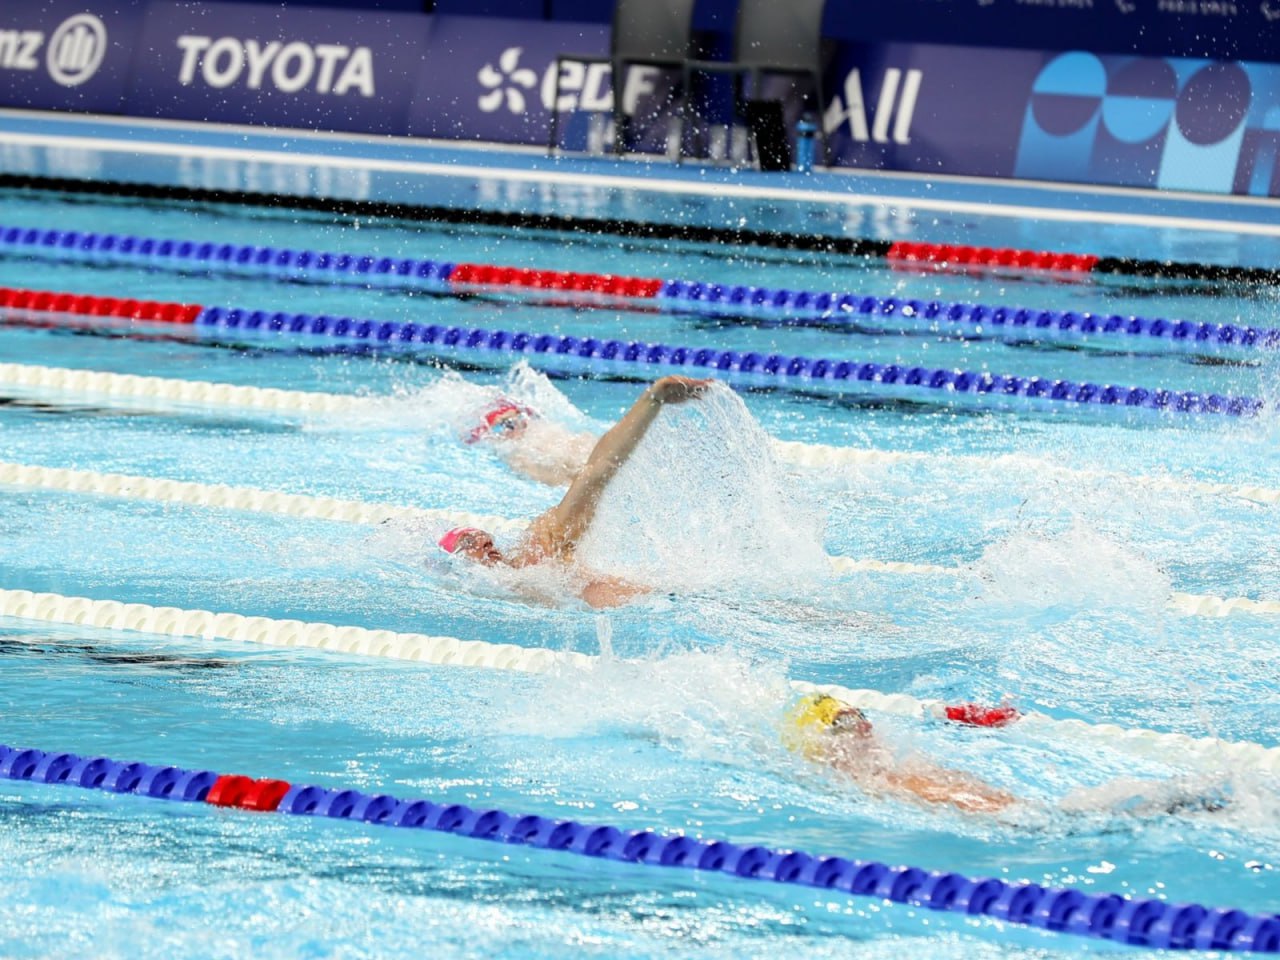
column 1057, row 597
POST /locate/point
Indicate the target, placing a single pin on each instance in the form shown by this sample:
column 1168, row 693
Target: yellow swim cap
column 813, row 714
column 816, row 711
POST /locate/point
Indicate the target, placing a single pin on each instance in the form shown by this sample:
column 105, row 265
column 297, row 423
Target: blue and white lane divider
column 748, row 367
column 1106, row 916
column 591, row 354
column 779, row 305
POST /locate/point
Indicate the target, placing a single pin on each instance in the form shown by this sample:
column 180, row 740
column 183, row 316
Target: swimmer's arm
column 938, row 785
column 554, row 472
column 604, row 592
column 573, row 515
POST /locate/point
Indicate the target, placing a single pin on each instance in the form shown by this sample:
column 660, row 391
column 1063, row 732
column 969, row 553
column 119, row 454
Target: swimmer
column 554, row 536
column 540, row 449
column 831, row 731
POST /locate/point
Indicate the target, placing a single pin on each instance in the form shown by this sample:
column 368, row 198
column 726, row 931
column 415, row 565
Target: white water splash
column 703, row 504
column 712, row 704
column 455, row 404
column 1076, row 569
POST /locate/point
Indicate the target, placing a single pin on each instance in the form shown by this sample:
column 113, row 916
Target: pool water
column 1059, row 604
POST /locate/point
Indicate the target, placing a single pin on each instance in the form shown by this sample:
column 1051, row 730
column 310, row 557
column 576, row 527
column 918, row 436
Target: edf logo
column 1168, row 123
column 582, row 86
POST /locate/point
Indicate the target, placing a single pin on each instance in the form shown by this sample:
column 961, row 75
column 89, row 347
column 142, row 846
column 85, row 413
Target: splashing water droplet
column 703, row 504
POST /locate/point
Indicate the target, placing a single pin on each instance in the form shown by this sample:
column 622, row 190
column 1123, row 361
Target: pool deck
column 176, row 153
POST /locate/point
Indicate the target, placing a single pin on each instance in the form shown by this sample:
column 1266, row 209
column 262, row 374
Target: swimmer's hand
column 677, row 389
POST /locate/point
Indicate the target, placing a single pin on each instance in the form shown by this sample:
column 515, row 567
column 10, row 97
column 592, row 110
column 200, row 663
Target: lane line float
column 354, row 511
column 818, row 456
column 897, row 253
column 1140, row 922
column 577, row 353
column 1174, row 748
column 684, row 296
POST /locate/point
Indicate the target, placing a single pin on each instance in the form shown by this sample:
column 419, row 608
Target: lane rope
column 1141, row 922
column 1175, row 748
column 702, row 298
column 353, row 511
column 591, row 353
column 817, row 456
column 899, row 253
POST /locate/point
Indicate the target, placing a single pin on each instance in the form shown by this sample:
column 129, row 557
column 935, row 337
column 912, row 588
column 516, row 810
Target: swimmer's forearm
column 574, row 513
column 620, row 441
column 954, row 788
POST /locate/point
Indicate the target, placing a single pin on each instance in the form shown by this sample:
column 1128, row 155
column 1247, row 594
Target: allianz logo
column 72, row 55
column 326, row 68
column 586, row 87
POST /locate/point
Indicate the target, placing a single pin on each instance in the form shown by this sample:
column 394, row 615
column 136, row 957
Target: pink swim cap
column 501, row 408
column 449, row 542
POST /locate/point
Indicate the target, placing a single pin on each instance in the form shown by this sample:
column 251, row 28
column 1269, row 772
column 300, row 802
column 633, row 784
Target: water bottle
column 806, row 129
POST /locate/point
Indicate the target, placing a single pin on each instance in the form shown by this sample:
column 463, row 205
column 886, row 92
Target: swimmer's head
column 472, row 543
column 819, row 715
column 504, row 420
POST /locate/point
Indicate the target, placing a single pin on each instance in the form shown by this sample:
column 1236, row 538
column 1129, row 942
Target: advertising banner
column 494, row 79
column 1212, row 29
column 62, row 55
column 1168, row 123
column 285, row 66
column 1178, row 123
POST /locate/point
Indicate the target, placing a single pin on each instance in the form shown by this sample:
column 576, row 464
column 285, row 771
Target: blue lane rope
column 228, row 256
column 778, row 304
column 800, row 307
column 839, row 375
column 1142, row 922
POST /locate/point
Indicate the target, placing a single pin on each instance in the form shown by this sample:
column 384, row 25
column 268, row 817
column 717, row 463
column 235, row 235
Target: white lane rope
column 1174, row 748
column 255, row 500
column 816, row 456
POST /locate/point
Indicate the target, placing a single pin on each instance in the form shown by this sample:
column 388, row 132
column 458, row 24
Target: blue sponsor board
column 494, row 79
column 62, row 55
column 286, row 66
column 1162, row 122
column 1169, row 123
column 1176, row 124
column 1216, row 29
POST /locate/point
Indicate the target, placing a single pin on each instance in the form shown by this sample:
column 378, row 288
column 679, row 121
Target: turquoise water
column 1061, row 607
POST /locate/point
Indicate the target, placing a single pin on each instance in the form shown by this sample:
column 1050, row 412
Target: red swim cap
column 449, row 542
column 976, row 715
column 500, row 409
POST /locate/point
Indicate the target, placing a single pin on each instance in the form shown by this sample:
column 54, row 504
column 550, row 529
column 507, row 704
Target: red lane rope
column 89, row 305
column 482, row 274
column 951, row 254
column 245, row 793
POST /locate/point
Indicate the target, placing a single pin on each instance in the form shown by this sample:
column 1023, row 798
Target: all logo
column 509, row 85
column 73, row 54
column 894, row 110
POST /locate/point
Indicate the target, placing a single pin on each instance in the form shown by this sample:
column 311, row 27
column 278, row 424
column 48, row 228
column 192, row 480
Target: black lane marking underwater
column 191, row 420
column 851, row 246
column 35, row 645
column 26, row 404
column 1204, row 273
